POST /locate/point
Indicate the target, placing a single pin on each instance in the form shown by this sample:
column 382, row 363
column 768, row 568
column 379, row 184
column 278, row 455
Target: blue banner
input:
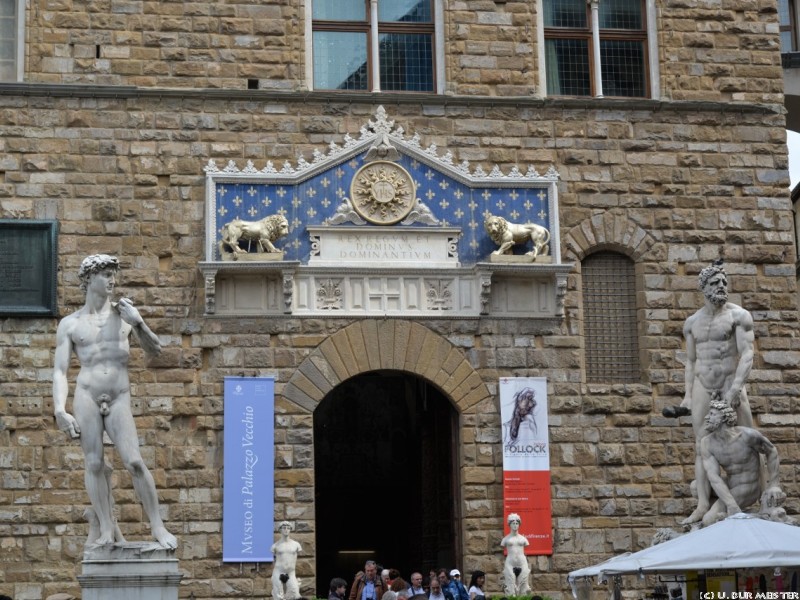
column 249, row 479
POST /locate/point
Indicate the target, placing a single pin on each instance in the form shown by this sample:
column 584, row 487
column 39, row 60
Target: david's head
column 95, row 264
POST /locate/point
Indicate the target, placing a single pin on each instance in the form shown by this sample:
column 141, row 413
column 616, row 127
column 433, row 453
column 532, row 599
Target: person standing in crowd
column 436, row 592
column 457, row 587
column 399, row 585
column 416, row 585
column 444, row 584
column 367, row 586
column 431, row 577
column 476, row 584
column 338, row 589
column 385, row 579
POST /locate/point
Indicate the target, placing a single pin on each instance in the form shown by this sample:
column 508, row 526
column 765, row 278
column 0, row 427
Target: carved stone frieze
column 439, row 294
column 507, row 290
column 329, row 294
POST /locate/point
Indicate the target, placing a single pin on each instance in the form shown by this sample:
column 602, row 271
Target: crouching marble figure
column 737, row 451
column 516, row 573
column 285, row 585
column 98, row 334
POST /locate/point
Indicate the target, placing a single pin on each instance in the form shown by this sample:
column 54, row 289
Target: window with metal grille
column 609, row 319
column 9, row 39
column 389, row 48
column 608, row 60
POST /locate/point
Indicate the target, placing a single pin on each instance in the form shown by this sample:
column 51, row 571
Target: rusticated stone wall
column 721, row 51
column 673, row 186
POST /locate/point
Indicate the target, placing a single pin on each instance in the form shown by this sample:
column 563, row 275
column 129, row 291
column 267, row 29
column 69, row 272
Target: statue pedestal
column 130, row 571
column 520, row 258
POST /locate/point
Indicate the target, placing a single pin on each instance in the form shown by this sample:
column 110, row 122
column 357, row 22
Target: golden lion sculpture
column 264, row 232
column 506, row 235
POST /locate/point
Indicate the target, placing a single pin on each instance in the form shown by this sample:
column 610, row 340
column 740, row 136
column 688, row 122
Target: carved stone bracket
column 288, row 291
column 452, row 247
column 210, row 278
column 315, row 244
column 485, row 281
column 561, row 293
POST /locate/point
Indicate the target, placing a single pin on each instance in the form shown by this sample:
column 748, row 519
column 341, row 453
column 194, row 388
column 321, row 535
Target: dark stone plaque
column 28, row 263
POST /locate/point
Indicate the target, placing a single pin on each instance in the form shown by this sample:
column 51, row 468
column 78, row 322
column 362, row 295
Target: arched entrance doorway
column 385, row 485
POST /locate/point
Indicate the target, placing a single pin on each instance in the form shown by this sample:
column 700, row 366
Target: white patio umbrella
column 738, row 542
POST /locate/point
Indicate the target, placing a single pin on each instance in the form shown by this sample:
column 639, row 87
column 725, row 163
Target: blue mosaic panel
column 453, row 203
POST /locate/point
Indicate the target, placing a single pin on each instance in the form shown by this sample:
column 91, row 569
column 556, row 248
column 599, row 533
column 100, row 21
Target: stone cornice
column 131, row 92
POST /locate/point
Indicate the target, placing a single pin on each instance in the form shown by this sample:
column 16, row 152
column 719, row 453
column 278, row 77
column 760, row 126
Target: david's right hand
column 66, row 422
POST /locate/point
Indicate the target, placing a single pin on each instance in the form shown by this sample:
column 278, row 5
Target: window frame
column 19, row 42
column 791, row 27
column 434, row 29
column 593, row 36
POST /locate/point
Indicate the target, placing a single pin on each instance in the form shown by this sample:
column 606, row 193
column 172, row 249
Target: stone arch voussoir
column 612, row 231
column 398, row 345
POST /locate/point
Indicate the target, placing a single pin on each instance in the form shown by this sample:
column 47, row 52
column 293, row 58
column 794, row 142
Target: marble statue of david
column 98, row 334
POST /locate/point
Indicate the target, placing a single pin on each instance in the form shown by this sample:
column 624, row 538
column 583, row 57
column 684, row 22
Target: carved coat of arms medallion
column 382, row 192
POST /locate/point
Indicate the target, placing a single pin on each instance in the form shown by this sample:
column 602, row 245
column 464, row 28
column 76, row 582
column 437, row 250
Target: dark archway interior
column 384, row 447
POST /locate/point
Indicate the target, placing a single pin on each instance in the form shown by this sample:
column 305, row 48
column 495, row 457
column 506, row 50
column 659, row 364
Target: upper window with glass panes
column 346, row 34
column 9, row 40
column 788, row 25
column 572, row 62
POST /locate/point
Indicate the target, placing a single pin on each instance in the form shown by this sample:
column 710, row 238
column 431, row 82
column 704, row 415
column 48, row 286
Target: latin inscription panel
column 384, row 246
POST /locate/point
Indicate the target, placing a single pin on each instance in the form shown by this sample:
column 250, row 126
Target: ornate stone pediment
column 383, row 179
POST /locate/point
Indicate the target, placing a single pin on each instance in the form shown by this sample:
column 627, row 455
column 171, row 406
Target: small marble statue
column 719, row 356
column 506, row 234
column 516, row 573
column 98, row 334
column 285, row 585
column 263, row 232
column 737, row 450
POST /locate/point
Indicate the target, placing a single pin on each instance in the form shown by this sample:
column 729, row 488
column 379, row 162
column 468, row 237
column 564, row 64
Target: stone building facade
column 121, row 104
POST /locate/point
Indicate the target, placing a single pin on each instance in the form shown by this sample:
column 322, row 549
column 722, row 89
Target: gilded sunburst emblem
column 382, row 192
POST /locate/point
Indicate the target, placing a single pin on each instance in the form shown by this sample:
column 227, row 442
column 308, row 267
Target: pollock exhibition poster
column 526, row 459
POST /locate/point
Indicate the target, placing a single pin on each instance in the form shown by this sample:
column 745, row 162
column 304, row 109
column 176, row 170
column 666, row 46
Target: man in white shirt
column 416, row 585
column 436, row 590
